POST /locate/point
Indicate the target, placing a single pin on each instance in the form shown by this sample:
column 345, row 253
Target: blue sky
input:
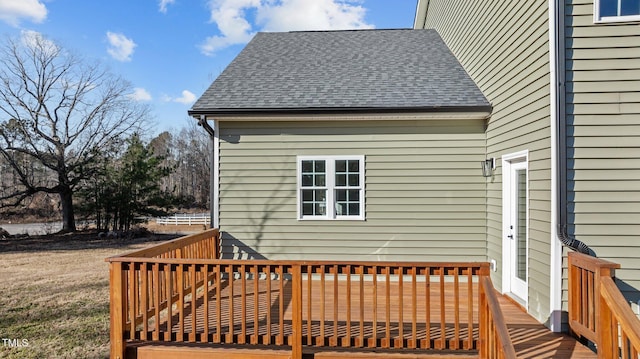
column 171, row 50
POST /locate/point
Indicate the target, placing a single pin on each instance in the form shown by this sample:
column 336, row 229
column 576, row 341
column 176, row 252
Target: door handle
column 510, row 236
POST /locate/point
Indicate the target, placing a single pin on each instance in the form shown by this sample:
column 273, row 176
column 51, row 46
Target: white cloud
column 163, row 5
column 139, row 94
column 120, row 46
column 234, row 24
column 32, row 38
column 292, row 15
column 187, row 97
column 13, row 11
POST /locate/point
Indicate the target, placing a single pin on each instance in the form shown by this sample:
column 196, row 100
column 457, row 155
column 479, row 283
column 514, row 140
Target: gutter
column 337, row 110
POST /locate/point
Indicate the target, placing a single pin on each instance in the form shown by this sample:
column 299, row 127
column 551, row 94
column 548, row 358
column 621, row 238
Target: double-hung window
column 331, row 187
column 616, row 10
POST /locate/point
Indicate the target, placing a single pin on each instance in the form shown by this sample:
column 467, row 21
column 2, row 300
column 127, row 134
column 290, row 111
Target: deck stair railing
column 597, row 309
column 181, row 292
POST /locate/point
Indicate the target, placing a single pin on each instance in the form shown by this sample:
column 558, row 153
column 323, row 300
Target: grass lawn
column 54, row 295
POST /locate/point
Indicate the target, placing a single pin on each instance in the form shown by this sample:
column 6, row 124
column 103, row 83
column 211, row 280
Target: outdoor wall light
column 488, row 166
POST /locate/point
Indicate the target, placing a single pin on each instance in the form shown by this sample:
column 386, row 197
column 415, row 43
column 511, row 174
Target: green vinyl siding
column 504, row 46
column 603, row 136
column 424, row 190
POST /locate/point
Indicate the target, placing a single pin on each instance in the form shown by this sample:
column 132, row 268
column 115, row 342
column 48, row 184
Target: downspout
column 555, row 89
column 213, row 178
column 559, row 167
column 563, row 199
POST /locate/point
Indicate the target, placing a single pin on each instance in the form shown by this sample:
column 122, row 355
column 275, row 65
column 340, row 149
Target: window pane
column 307, row 209
column 630, row 7
column 341, row 180
column 307, row 166
column 320, row 180
column 608, row 8
column 319, row 166
column 354, row 166
column 314, row 202
column 341, row 209
column 341, row 166
column 347, row 202
column 307, row 180
column 354, row 179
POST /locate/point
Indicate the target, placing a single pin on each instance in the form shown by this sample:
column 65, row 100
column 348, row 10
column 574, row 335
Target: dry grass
column 55, row 294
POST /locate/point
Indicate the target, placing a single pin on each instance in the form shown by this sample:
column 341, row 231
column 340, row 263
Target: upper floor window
column 331, row 187
column 616, row 10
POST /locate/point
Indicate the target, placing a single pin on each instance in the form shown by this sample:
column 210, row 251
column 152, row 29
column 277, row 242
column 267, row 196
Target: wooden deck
column 179, row 299
column 531, row 339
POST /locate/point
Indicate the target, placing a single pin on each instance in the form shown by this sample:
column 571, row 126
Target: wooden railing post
column 117, row 296
column 573, row 293
column 587, row 311
column 605, row 332
column 216, row 246
column 296, row 315
column 483, row 330
column 620, row 335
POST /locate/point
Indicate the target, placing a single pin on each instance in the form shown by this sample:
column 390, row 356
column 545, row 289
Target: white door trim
column 508, row 161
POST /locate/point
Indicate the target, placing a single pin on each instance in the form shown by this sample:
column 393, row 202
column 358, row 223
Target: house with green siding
column 370, row 144
column 348, row 144
column 563, row 78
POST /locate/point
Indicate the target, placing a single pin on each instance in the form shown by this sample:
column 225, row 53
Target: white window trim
column 610, row 19
column 330, row 181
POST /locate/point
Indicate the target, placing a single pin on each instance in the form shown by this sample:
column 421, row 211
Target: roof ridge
column 353, row 30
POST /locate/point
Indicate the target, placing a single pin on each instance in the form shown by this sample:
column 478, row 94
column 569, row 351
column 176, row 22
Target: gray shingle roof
column 359, row 70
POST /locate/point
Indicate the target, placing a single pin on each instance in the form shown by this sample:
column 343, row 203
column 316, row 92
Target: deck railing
column 496, row 341
column 597, row 309
column 141, row 291
column 177, row 292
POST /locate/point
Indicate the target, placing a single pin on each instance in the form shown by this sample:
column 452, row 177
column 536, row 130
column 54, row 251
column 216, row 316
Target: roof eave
column 280, row 114
column 337, row 111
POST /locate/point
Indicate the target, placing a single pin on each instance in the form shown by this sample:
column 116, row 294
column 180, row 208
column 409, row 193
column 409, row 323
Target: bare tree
column 61, row 112
column 194, row 160
column 188, row 153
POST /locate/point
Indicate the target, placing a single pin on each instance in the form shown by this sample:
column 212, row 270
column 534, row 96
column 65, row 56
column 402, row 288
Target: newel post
column 117, row 296
column 296, row 316
column 216, row 245
column 483, row 320
column 606, row 334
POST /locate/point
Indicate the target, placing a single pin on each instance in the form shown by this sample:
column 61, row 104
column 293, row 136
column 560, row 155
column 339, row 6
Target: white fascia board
column 422, row 116
column 421, row 14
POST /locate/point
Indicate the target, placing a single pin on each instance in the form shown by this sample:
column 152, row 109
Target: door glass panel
column 521, row 224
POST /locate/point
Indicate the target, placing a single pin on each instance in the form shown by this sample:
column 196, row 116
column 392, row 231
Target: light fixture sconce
column 488, row 166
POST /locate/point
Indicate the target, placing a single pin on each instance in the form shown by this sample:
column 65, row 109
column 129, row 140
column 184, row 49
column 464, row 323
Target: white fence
column 185, row 219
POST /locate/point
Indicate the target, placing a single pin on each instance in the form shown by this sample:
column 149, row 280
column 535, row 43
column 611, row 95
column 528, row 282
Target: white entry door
column 515, row 225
